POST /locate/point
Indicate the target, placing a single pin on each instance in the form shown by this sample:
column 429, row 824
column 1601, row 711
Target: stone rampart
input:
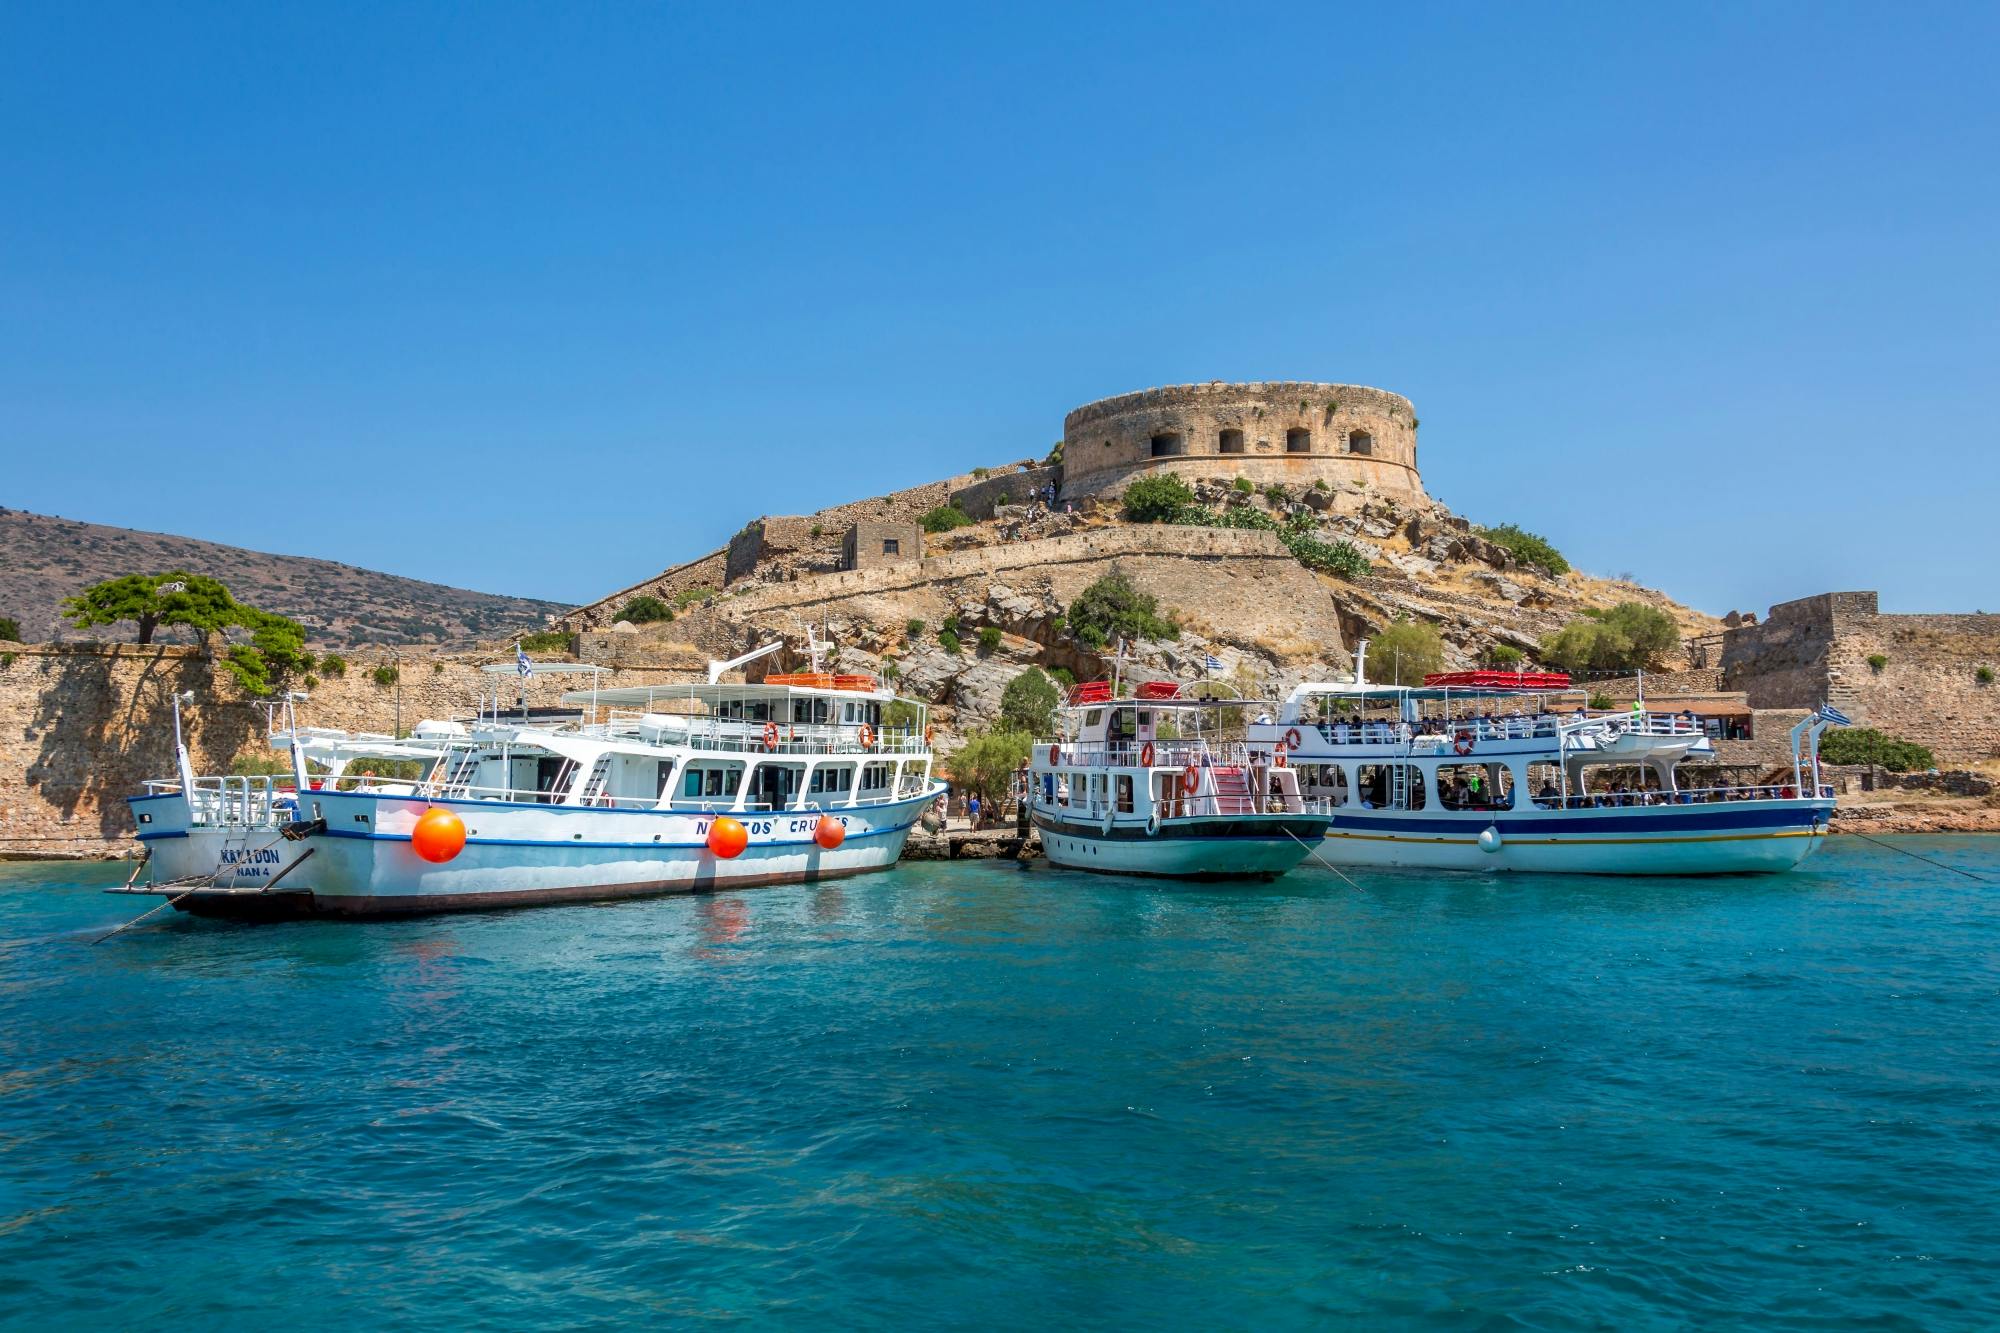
column 1289, row 432
column 84, row 724
column 1016, row 486
column 1912, row 676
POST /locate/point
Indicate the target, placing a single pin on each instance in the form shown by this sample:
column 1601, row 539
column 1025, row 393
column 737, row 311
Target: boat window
column 1124, row 793
column 834, row 780
column 1390, row 786
column 1298, row 440
column 1093, row 717
column 1229, row 442
column 774, row 785
column 1323, row 781
column 1474, row 787
column 710, row 780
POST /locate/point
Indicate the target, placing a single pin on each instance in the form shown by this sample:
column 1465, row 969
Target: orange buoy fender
column 727, row 838
column 830, row 832
column 438, row 836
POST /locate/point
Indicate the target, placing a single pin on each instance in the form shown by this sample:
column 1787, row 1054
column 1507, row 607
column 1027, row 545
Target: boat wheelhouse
column 644, row 790
column 1152, row 785
column 1503, row 773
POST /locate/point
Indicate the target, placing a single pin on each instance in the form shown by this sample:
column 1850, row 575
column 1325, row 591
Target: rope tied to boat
column 1313, row 852
column 1969, row 874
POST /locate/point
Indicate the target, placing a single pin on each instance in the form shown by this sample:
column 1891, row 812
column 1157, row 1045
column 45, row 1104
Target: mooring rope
column 1969, row 874
column 1313, row 852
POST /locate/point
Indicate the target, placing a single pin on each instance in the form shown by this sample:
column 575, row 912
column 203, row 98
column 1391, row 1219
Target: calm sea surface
column 979, row 1095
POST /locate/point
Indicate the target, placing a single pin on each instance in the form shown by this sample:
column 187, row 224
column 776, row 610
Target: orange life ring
column 1146, row 755
column 1462, row 745
column 1055, row 755
column 1190, row 779
column 1292, row 738
column 1278, row 756
column 866, row 736
column 770, row 735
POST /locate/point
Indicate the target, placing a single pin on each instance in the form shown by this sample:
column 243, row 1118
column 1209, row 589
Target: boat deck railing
column 1166, row 753
column 1205, row 806
column 729, row 736
column 1436, row 733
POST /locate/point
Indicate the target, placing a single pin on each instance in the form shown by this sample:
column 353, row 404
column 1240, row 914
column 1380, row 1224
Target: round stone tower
column 1292, row 432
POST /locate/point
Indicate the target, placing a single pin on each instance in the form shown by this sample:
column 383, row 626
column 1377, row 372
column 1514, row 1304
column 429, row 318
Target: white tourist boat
column 1133, row 786
column 650, row 790
column 1482, row 771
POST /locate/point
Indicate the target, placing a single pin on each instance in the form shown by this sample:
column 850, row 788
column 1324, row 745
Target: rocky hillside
column 45, row 559
column 1238, row 596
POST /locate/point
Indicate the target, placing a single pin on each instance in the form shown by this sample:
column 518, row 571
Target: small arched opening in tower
column 1298, row 440
column 1167, row 444
column 1229, row 442
column 1360, row 442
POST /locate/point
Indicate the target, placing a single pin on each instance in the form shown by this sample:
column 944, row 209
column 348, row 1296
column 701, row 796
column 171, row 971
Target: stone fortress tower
column 1286, row 431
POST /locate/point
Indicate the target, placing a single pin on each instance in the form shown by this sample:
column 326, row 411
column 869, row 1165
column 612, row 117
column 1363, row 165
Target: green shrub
column 989, row 638
column 1600, row 702
column 437, row 668
column 1242, row 486
column 1876, row 661
column 1405, row 652
column 1156, row 499
column 1527, row 548
column 948, row 638
column 913, row 627
column 332, row 665
column 1091, row 637
column 385, row 675
column 1113, row 606
column 950, row 622
column 944, row 518
column 687, row 597
column 1865, row 745
column 818, row 531
column 1984, row 675
column 1505, row 657
column 1629, row 637
column 890, row 671
column 981, row 473
column 1277, row 494
column 1062, row 676
column 311, row 682
column 10, row 629
column 1028, row 704
column 1320, row 485
column 1341, row 559
column 645, row 609
column 547, row 641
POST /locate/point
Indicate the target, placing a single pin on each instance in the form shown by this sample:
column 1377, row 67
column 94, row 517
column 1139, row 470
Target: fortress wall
column 1016, row 486
column 1240, row 586
column 1109, row 443
column 1817, row 649
column 82, row 725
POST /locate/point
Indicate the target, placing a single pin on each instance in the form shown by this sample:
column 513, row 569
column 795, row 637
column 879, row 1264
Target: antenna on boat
column 183, row 766
column 1360, row 661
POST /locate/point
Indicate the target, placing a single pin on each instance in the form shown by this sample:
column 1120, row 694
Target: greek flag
column 1831, row 714
column 522, row 667
column 1212, row 662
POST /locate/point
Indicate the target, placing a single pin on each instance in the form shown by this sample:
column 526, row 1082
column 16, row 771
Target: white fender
column 1489, row 839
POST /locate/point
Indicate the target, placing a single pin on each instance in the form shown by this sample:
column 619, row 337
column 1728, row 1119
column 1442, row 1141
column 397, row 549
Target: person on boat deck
column 1547, row 793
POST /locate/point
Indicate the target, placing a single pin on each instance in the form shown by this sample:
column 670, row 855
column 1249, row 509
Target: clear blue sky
column 540, row 299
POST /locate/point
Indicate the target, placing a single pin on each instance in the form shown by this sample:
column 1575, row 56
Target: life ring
column 1278, row 756
column 1190, row 780
column 1292, row 738
column 1146, row 755
column 866, row 736
column 1055, row 756
column 1463, row 744
column 770, row 735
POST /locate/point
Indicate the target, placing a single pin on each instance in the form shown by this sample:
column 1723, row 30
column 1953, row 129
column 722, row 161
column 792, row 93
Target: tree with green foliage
column 1866, row 745
column 1405, row 652
column 1156, row 499
column 547, row 641
column 985, row 767
column 645, row 609
column 277, row 647
column 333, row 664
column 1029, row 703
column 1113, row 607
column 1504, row 657
column 153, row 602
column 944, row 518
column 1631, row 636
column 1527, row 548
column 989, row 638
column 10, row 630
column 948, row 640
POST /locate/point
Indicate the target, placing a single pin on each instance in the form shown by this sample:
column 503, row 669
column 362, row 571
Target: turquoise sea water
column 981, row 1095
